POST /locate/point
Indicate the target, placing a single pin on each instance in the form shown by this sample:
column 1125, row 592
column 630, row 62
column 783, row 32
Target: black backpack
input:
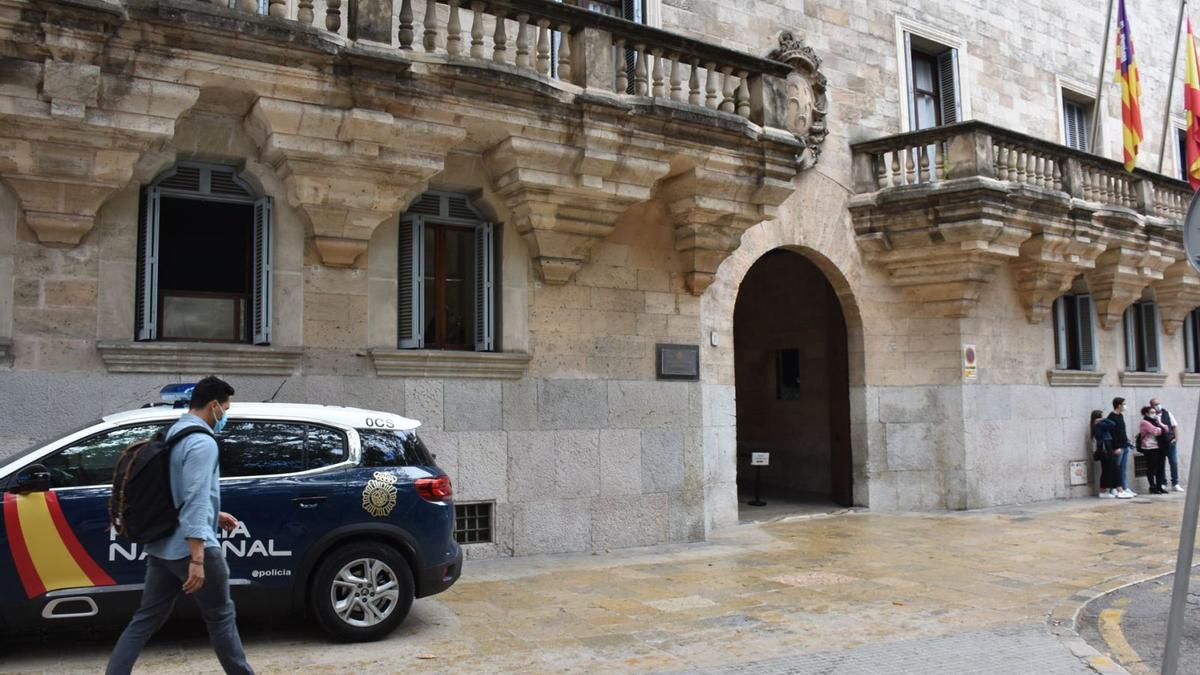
column 141, row 508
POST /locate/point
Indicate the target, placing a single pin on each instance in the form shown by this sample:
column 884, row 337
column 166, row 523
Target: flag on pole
column 1131, row 89
column 1191, row 106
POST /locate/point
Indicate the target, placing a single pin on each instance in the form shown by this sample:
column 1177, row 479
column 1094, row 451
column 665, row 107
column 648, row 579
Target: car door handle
column 308, row 502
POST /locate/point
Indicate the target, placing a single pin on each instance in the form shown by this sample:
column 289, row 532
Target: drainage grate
column 473, row 523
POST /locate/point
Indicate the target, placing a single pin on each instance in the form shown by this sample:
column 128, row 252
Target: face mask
column 1153, row 416
column 1158, row 407
column 219, row 425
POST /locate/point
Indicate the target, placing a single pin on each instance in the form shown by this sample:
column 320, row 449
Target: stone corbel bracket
column 943, row 252
column 71, row 135
column 1178, row 293
column 1050, row 260
column 1130, row 262
column 348, row 170
column 566, row 195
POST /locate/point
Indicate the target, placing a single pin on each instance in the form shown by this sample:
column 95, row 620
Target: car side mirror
column 33, row 478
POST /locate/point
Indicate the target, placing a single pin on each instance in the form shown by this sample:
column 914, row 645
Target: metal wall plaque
column 677, row 362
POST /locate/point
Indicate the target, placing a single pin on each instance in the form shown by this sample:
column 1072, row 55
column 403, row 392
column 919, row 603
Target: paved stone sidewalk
column 849, row 591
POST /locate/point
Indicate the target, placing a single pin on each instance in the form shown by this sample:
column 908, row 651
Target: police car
column 343, row 514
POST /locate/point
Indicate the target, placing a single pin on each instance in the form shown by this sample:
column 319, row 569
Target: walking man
column 1120, row 439
column 1167, row 419
column 189, row 560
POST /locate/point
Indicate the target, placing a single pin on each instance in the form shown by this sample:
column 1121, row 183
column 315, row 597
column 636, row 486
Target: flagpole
column 1162, row 150
column 1100, row 78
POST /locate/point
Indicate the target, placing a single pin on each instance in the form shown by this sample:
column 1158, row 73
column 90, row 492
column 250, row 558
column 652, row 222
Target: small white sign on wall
column 760, row 458
column 1079, row 472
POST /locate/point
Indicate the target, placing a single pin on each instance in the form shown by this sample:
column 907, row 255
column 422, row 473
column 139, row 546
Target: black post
column 757, row 482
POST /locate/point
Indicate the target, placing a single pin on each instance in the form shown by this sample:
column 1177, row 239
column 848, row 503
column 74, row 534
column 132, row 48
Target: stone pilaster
column 350, row 169
column 1178, row 293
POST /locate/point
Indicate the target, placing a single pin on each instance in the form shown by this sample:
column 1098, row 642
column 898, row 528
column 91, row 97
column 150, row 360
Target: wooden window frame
column 439, row 309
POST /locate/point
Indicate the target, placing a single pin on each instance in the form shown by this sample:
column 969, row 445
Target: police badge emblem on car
column 379, row 496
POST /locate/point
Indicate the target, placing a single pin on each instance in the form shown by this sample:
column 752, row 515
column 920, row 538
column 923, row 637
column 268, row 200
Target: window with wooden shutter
column 1077, row 121
column 1085, row 320
column 1191, row 345
column 934, row 89
column 948, row 89
column 446, row 276
column 1074, row 332
column 204, row 258
column 1141, row 338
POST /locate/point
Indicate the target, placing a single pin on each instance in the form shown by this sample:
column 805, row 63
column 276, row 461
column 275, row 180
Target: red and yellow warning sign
column 47, row 554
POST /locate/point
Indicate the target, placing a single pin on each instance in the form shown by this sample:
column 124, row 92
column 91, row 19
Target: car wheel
column 362, row 592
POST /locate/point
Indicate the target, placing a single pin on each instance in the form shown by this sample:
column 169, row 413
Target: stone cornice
column 1074, row 378
column 198, row 357
column 1189, row 379
column 450, row 364
column 1137, row 379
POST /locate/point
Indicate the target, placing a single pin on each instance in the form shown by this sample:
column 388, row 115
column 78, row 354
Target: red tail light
column 435, row 489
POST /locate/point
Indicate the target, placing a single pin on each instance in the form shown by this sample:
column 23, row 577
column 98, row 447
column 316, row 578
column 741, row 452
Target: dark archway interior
column 791, row 368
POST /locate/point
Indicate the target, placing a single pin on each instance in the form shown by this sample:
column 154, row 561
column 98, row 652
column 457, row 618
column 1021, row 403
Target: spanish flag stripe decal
column 94, row 572
column 20, row 554
column 55, row 565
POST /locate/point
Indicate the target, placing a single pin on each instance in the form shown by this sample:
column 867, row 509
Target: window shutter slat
column 948, row 79
column 147, row 268
column 1071, row 124
column 484, row 289
column 1150, row 336
column 410, row 280
column 261, row 305
column 1087, row 333
column 1059, row 311
column 1189, row 342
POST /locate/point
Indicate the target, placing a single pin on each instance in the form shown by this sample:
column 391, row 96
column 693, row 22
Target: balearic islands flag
column 1191, row 106
column 1131, row 89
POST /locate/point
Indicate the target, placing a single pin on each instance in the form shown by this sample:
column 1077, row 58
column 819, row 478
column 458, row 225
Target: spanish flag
column 44, row 549
column 1131, row 89
column 1191, row 104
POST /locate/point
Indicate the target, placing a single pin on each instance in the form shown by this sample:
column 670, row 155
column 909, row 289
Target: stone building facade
column 757, row 181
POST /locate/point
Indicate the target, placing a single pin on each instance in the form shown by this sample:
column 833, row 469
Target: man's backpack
column 141, row 507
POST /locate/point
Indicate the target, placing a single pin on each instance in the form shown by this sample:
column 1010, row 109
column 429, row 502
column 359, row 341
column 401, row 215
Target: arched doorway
column 791, row 363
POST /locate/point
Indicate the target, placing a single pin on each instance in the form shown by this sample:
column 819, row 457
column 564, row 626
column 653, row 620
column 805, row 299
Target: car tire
column 361, row 592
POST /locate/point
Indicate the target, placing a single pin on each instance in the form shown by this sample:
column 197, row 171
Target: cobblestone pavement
column 956, row 592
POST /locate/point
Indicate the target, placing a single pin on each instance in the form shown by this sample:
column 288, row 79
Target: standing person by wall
column 1153, row 436
column 1172, row 451
column 1106, row 453
column 1121, row 440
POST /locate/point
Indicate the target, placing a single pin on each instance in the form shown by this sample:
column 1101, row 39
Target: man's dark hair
column 210, row 389
column 1118, row 402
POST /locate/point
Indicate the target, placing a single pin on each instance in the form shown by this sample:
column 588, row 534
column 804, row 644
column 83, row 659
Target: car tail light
column 435, row 489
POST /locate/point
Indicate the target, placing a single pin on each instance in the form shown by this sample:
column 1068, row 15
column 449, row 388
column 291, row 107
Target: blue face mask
column 219, row 425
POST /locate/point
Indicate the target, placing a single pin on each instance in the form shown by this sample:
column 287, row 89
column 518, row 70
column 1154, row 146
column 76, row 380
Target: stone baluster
column 429, row 34
column 500, row 39
column 1055, row 175
column 896, row 177
column 923, row 168
column 1000, row 161
column 1039, row 169
column 477, row 30
column 405, row 33
column 640, row 76
column 523, row 60
column 333, row 15
column 711, row 100
column 1013, row 175
column 622, row 71
column 564, row 53
column 909, row 167
column 543, row 47
column 1022, row 165
column 277, row 8
column 676, row 79
column 694, row 83
column 743, row 94
column 656, row 74
column 248, row 6
column 881, row 171
column 304, row 12
column 940, row 149
column 454, row 30
column 727, row 103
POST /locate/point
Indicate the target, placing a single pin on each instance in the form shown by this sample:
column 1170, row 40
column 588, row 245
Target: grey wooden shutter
column 260, row 310
column 484, row 289
column 1189, row 342
column 912, row 94
column 147, row 268
column 1129, row 322
column 410, row 283
column 947, row 63
column 1061, row 358
column 1149, row 328
column 1086, row 331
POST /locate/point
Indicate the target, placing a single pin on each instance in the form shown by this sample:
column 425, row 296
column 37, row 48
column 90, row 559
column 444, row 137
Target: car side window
column 91, row 461
column 392, row 448
column 324, row 447
column 253, row 448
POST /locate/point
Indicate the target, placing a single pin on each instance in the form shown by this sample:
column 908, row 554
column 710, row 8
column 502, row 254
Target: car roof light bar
column 178, row 394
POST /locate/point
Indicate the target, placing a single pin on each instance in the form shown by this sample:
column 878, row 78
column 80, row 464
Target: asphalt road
column 1131, row 625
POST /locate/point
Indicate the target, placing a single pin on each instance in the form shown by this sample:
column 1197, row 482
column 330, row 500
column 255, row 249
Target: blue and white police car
column 343, row 514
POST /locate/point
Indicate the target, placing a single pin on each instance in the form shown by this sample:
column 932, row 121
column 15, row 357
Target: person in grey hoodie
column 189, row 560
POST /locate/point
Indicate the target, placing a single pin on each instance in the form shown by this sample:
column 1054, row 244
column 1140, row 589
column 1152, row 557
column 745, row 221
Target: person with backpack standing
column 1153, row 437
column 189, row 559
column 1106, row 454
column 1120, row 439
column 1171, row 423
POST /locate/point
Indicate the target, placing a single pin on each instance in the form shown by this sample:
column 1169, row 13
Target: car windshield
column 16, row 456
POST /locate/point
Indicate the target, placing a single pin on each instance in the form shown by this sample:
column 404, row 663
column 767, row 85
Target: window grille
column 473, row 522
